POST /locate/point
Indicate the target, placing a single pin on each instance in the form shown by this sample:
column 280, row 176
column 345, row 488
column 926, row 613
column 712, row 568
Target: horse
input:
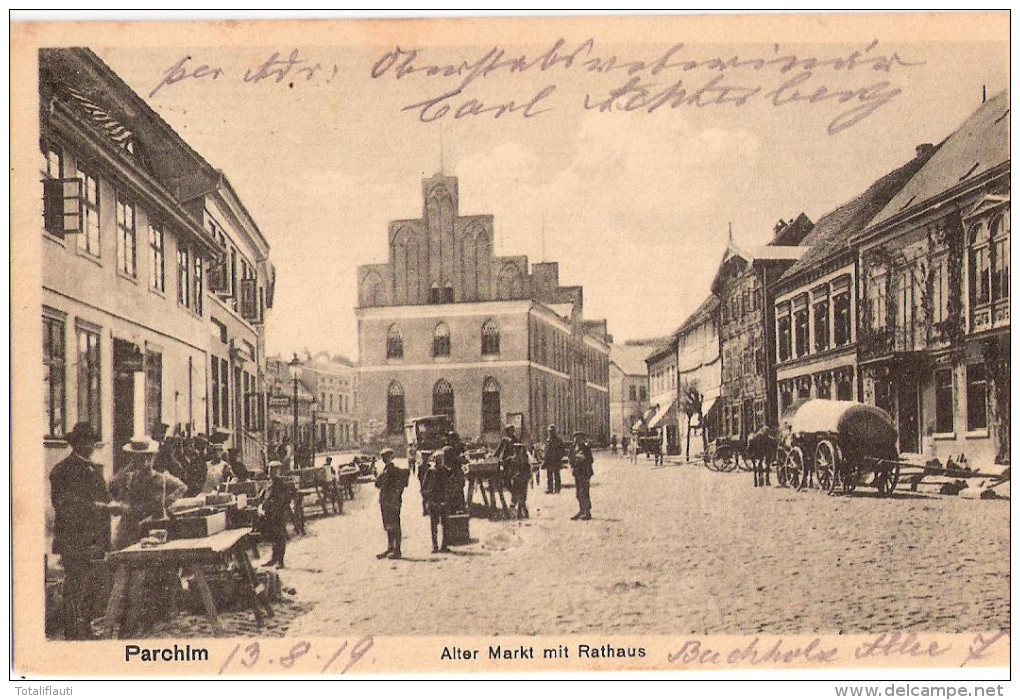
column 761, row 444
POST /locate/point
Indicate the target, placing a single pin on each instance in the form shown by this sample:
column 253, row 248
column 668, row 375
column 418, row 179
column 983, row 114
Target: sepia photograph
column 475, row 345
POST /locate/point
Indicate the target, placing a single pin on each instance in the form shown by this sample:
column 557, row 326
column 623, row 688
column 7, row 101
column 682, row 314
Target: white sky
column 635, row 205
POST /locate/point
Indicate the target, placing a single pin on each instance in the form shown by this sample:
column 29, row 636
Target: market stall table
column 133, row 562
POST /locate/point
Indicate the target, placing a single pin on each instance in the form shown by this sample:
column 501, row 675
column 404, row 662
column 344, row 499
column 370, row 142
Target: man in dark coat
column 81, row 530
column 391, row 483
column 520, row 480
column 435, row 490
column 458, row 480
column 552, row 461
column 276, row 511
column 581, row 464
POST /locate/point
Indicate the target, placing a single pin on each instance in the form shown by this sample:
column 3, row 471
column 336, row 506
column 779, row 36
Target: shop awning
column 663, row 413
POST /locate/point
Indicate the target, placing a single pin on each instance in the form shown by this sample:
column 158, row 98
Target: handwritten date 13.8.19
column 300, row 657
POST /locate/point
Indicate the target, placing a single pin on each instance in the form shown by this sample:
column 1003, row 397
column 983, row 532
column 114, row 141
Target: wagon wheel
column 825, row 465
column 795, row 467
column 781, row 460
column 724, row 459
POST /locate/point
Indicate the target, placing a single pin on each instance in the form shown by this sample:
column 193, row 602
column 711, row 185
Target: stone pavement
column 671, row 550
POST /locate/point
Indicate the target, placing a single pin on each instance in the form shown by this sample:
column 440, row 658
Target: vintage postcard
column 522, row 345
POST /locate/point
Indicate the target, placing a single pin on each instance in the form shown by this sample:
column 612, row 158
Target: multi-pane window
column 784, row 334
column 126, row 238
column 395, row 409
column 442, row 399
column 53, row 377
column 841, row 318
column 89, row 387
column 214, row 389
column 1000, row 251
column 944, row 422
column 394, row 343
column 490, row 338
column 980, row 270
column 939, row 292
column 157, row 253
column 89, row 240
column 977, row 398
column 643, row 393
column 821, row 312
column 183, row 275
column 441, row 340
column 877, row 298
column 844, row 388
column 198, row 286
column 800, row 329
column 633, row 393
column 491, row 412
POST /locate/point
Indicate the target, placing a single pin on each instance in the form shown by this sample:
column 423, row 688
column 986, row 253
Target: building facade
column 816, row 300
column 446, row 327
column 125, row 335
column 332, row 380
column 662, row 385
column 934, row 285
column 136, row 338
column 283, row 427
column 745, row 286
column 628, row 388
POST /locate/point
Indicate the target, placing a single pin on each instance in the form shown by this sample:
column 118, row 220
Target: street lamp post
column 294, row 365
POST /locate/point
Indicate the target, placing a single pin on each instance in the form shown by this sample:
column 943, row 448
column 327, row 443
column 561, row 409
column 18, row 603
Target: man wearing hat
column 196, row 464
column 435, row 492
column 391, row 483
column 459, row 480
column 144, row 492
column 581, row 462
column 81, row 529
column 552, row 461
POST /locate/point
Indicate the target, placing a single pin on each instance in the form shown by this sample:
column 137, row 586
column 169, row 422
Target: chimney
column 924, row 149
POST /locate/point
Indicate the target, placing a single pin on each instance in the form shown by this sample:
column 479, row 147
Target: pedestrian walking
column 435, row 488
column 391, row 483
column 275, row 511
column 81, row 530
column 552, row 461
column 458, row 480
column 581, row 464
column 633, row 451
column 613, row 443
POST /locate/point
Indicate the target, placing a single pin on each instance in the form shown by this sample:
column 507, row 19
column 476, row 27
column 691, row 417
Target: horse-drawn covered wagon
column 836, row 444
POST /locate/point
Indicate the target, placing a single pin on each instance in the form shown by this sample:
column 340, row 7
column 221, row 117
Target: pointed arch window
column 395, row 409
column 447, row 295
column 491, row 412
column 394, row 343
column 441, row 340
column 490, row 338
column 442, row 399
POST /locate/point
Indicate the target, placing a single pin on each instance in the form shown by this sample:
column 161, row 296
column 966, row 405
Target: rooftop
column 629, row 358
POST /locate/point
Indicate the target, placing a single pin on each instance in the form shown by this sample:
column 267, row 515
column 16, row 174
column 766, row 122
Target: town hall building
column 448, row 327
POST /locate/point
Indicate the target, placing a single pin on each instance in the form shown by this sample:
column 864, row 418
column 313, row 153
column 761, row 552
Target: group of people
column 443, row 480
column 153, row 475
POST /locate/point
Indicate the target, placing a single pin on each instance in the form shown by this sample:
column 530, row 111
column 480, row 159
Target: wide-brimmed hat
column 83, row 432
column 385, row 452
column 510, row 426
column 141, row 444
column 275, row 463
column 579, row 433
column 219, row 437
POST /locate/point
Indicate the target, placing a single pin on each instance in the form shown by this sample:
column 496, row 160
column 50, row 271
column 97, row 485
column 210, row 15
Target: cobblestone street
column 671, row 550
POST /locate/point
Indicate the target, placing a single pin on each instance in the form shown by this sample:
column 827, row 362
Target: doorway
column 909, row 416
column 127, row 359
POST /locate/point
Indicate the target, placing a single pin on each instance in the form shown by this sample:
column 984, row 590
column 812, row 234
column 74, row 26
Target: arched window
column 508, row 284
column 441, row 340
column 442, row 399
column 372, row 290
column 395, row 409
column 435, row 294
column 394, row 343
column 491, row 413
column 490, row 338
column 448, row 292
column 980, row 267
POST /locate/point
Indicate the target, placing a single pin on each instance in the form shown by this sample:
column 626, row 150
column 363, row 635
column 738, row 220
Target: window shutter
column 63, row 206
column 218, row 277
column 249, row 300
